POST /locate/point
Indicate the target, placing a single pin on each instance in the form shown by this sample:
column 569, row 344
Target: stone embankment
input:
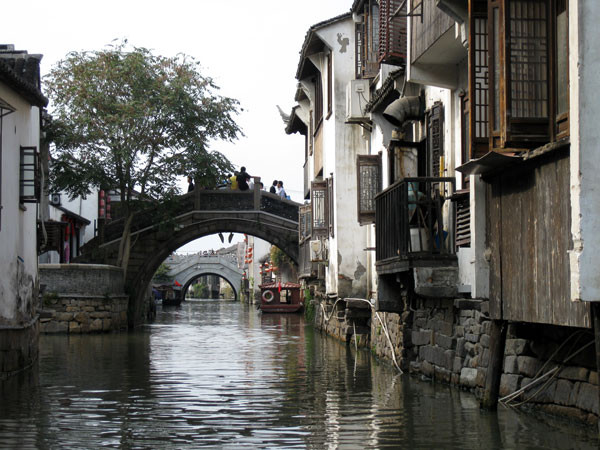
column 82, row 298
column 447, row 340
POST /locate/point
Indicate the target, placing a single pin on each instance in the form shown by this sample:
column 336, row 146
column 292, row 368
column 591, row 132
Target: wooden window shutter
column 359, row 39
column 368, row 170
column 478, row 102
column 330, row 205
column 320, row 209
column 29, row 191
column 463, row 220
column 329, row 84
column 435, row 138
column 318, row 106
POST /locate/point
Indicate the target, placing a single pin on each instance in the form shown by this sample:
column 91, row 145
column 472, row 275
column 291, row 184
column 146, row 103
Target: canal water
column 217, row 374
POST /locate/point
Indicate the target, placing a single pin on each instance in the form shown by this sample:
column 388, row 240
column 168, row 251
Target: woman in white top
column 280, row 190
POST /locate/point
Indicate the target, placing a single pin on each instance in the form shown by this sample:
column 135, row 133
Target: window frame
column 542, row 124
column 32, row 167
column 479, row 80
column 320, row 188
column 367, row 216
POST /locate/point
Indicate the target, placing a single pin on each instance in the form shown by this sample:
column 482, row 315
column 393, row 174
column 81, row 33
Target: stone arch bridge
column 189, row 268
column 162, row 228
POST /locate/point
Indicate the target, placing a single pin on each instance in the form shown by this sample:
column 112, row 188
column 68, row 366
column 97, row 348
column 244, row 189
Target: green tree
column 162, row 273
column 199, row 290
column 126, row 119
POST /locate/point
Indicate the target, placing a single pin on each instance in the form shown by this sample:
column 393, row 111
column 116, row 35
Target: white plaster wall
column 18, row 243
column 341, row 144
column 584, row 66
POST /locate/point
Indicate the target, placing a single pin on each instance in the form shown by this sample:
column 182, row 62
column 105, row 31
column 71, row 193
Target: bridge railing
column 225, row 200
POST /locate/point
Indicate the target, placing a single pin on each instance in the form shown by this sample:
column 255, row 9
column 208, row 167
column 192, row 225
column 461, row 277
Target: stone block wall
column 448, row 340
column 67, row 313
column 82, row 298
column 533, row 349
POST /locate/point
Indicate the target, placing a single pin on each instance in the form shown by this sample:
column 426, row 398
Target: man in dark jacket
column 273, row 188
column 243, row 179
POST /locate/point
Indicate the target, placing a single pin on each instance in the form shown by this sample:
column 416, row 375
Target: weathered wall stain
column 360, row 270
column 343, row 41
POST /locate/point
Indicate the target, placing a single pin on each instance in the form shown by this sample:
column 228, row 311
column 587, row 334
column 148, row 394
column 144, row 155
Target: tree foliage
column 162, row 273
column 126, row 119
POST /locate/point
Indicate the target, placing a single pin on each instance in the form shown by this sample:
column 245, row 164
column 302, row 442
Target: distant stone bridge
column 192, row 267
column 159, row 230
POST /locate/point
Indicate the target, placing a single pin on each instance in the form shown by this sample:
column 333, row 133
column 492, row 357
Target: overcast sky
column 251, row 50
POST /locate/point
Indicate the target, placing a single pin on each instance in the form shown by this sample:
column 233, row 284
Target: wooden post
column 256, row 193
column 494, row 370
column 196, row 192
column 595, row 312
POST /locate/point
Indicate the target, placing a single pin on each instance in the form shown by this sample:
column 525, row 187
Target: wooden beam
column 494, row 370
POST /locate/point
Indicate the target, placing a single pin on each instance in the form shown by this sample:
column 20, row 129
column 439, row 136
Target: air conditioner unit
column 55, row 199
column 357, row 97
column 318, row 250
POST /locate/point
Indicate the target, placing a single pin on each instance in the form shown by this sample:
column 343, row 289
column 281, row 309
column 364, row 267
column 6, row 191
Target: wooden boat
column 169, row 295
column 281, row 298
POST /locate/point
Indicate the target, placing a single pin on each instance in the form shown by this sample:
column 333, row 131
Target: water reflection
column 220, row 375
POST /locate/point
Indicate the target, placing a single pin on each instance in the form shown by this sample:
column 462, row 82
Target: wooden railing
column 411, row 218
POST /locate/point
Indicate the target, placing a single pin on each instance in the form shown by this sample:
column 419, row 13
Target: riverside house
column 21, row 103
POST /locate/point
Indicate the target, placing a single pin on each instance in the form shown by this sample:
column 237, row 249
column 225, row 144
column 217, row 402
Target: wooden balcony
column 434, row 45
column 414, row 224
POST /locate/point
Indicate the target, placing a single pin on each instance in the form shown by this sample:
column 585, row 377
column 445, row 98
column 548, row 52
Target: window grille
column 369, row 184
column 320, row 225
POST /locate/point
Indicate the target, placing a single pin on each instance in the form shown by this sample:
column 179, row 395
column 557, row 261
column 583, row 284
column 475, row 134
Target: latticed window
column 320, row 208
column 478, row 104
column 29, row 175
column 369, row 184
column 305, row 217
column 527, row 42
column 392, row 31
column 367, row 41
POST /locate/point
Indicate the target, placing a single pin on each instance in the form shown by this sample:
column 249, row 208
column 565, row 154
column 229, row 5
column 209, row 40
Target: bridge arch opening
column 190, row 283
column 155, row 236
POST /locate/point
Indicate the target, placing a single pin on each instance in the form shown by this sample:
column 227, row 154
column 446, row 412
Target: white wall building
column 21, row 101
column 333, row 244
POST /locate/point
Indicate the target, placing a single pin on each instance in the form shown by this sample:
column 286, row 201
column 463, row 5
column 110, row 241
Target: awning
column 489, row 162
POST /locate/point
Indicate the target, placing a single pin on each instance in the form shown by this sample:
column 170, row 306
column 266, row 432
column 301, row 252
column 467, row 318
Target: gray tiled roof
column 21, row 71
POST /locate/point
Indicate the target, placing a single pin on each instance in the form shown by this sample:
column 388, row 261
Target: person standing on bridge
column 243, row 179
column 281, row 190
column 234, row 181
column 273, row 188
column 190, row 183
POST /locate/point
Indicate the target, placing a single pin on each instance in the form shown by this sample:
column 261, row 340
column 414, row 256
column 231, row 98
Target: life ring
column 268, row 296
